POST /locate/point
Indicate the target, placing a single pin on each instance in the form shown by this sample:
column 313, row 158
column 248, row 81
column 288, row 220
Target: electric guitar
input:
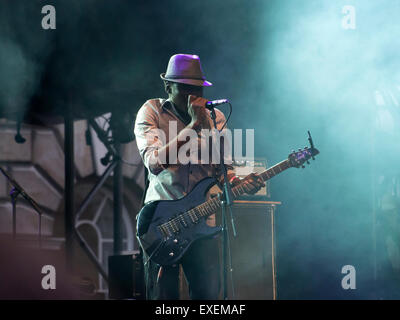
column 167, row 228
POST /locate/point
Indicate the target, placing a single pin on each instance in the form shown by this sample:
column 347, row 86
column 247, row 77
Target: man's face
column 179, row 92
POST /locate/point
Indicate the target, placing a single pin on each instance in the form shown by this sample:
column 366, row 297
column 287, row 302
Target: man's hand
column 251, row 184
column 198, row 113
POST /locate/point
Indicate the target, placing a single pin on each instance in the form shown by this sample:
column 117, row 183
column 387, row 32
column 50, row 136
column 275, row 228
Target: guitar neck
column 265, row 175
column 209, row 207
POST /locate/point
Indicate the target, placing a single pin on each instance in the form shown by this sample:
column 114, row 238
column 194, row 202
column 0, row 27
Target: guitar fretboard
column 265, row 175
column 211, row 206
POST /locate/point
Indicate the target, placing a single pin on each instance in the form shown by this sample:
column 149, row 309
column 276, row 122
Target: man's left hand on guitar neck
column 251, row 183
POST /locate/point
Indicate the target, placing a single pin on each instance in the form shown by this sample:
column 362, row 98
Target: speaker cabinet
column 252, row 250
column 125, row 277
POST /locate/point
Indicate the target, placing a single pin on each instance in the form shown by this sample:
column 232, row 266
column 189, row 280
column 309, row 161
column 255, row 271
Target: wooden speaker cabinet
column 253, row 252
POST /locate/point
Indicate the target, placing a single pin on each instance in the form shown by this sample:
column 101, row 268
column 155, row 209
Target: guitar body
column 168, row 250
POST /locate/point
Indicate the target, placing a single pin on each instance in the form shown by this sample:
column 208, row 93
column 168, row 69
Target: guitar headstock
column 297, row 159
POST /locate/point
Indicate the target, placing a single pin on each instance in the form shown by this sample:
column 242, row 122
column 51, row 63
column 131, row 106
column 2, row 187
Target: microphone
column 212, row 104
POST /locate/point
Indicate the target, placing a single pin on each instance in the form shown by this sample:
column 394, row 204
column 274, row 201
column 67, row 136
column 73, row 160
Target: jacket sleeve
column 149, row 138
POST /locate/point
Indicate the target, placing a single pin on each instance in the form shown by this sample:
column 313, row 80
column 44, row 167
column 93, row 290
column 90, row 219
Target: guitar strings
column 173, row 223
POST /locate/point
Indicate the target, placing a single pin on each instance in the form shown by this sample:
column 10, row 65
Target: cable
column 227, row 119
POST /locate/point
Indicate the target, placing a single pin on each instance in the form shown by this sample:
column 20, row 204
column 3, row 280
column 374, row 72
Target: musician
column 184, row 82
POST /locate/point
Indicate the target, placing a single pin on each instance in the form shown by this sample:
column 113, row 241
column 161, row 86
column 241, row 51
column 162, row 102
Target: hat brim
column 193, row 82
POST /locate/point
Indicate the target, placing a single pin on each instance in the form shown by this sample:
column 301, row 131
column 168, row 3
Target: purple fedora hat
column 185, row 68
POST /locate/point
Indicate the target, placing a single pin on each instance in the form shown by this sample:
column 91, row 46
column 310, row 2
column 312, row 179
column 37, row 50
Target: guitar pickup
column 165, row 231
column 171, row 227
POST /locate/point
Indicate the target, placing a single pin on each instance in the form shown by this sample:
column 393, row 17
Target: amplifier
column 253, row 253
column 126, row 279
column 244, row 167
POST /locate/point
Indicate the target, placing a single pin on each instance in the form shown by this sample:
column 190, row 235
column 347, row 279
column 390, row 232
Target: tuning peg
column 303, row 166
column 293, row 151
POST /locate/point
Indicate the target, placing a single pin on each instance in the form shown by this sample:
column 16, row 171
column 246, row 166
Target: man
column 185, row 111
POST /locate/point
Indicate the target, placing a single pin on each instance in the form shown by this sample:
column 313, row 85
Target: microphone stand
column 226, row 203
column 15, row 192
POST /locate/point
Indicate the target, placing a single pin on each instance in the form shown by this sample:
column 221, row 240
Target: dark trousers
column 202, row 271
